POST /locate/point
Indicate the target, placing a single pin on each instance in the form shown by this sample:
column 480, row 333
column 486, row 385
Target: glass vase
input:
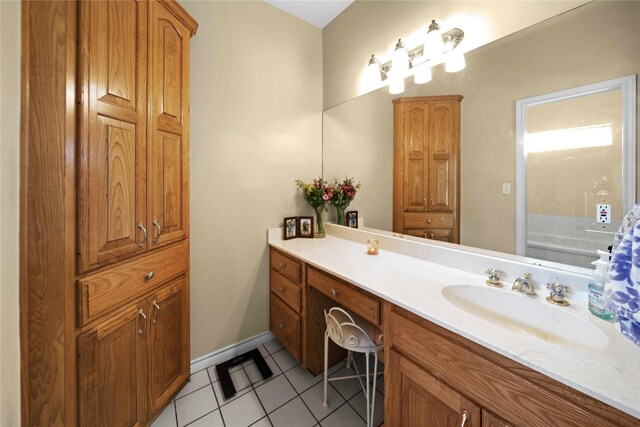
column 341, row 216
column 319, row 232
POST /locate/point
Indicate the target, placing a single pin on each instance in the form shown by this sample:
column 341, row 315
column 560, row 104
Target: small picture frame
column 352, row 219
column 305, row 227
column 291, row 227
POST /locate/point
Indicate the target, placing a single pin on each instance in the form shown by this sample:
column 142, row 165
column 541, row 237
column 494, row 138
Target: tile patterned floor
column 292, row 397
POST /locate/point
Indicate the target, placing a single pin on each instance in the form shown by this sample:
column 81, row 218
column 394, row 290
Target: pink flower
column 326, row 197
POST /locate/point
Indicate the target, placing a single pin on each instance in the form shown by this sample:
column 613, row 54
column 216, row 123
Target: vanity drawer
column 442, row 235
column 288, row 267
column 103, row 291
column 428, row 220
column 285, row 290
column 352, row 299
column 285, row 324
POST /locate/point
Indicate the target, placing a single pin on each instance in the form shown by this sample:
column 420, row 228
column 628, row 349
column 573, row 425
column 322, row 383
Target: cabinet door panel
column 441, row 142
column 169, row 343
column 112, row 177
column 416, row 151
column 169, row 131
column 416, row 398
column 112, row 370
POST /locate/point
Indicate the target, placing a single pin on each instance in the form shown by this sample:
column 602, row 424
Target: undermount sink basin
column 529, row 317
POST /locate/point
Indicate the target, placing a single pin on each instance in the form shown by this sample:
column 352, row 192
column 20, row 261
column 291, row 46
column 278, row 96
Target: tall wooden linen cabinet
column 128, row 330
column 426, row 167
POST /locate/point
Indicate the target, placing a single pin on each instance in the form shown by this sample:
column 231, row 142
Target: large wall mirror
column 575, row 166
column 596, row 42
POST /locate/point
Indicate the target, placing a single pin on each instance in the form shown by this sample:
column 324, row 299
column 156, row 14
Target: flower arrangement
column 343, row 194
column 317, row 194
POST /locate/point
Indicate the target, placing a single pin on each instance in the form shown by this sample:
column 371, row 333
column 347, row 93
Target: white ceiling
column 315, row 12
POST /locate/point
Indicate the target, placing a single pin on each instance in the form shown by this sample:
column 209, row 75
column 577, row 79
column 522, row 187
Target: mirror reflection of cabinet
column 426, row 174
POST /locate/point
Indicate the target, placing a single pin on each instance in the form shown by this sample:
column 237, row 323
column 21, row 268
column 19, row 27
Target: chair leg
column 326, row 367
column 375, row 377
column 349, row 359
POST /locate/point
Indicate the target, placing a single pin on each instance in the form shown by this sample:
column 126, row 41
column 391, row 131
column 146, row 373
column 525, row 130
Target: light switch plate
column 603, row 214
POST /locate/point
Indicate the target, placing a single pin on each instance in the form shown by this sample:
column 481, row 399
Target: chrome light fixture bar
column 421, row 56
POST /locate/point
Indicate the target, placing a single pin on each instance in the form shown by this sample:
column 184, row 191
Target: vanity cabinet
column 426, row 167
column 433, row 374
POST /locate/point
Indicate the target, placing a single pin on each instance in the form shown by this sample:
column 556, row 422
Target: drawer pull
column 144, row 325
column 334, row 292
column 465, row 417
column 157, row 313
column 281, row 326
column 282, row 290
column 150, row 275
column 424, row 203
column 431, row 235
column 428, row 221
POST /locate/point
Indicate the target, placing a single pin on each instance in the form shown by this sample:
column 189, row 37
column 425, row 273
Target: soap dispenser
column 596, row 287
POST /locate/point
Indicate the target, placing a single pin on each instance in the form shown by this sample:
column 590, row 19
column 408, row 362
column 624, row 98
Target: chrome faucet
column 524, row 285
column 557, row 293
column 494, row 277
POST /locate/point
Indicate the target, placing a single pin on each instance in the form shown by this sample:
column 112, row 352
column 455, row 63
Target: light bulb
column 455, row 61
column 433, row 44
column 423, row 74
column 400, row 60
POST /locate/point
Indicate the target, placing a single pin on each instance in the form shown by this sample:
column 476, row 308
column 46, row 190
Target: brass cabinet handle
column 431, row 235
column 424, row 203
column 425, row 235
column 144, row 325
column 465, row 417
column 432, row 202
column 281, row 325
column 150, row 275
column 157, row 313
column 144, row 230
column 334, row 292
column 282, row 290
column 155, row 239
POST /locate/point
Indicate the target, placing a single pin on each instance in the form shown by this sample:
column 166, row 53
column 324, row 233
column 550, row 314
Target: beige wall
column 256, row 104
column 9, row 212
column 560, row 53
column 368, row 27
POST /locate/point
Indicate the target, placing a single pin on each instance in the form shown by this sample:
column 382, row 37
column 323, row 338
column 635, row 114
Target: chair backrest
column 343, row 331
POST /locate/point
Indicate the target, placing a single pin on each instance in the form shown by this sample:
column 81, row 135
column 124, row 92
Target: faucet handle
column 557, row 293
column 494, row 277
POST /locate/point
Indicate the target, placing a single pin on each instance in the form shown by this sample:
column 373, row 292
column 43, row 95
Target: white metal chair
column 364, row 338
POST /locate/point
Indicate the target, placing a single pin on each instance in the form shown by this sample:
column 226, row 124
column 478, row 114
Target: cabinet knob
column 282, row 265
column 150, row 275
column 281, row 326
column 282, row 290
column 428, row 221
column 334, row 292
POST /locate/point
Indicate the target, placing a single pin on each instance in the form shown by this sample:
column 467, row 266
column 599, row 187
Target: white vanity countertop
column 610, row 374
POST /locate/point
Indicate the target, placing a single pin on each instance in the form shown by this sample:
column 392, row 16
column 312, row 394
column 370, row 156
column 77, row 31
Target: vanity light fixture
column 419, row 60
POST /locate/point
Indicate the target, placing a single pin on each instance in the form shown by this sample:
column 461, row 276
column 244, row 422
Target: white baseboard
column 230, row 351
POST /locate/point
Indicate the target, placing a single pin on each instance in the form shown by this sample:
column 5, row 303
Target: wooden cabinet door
column 112, row 173
column 169, row 127
column 112, row 371
column 490, row 420
column 168, row 343
column 416, row 398
column 443, row 131
column 416, row 151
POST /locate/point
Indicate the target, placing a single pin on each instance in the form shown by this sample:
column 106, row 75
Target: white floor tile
column 212, row 419
column 213, row 374
column 275, row 393
column 285, row 360
column 198, row 380
column 195, row 405
column 359, row 403
column 263, row 351
column 273, row 346
column 347, row 388
column 344, row 416
column 263, row 422
column 242, row 411
column 380, row 384
column 167, row 417
column 314, row 398
column 301, row 379
column 294, row 413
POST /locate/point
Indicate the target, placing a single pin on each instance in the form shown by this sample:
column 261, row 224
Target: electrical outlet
column 603, row 214
column 506, row 188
